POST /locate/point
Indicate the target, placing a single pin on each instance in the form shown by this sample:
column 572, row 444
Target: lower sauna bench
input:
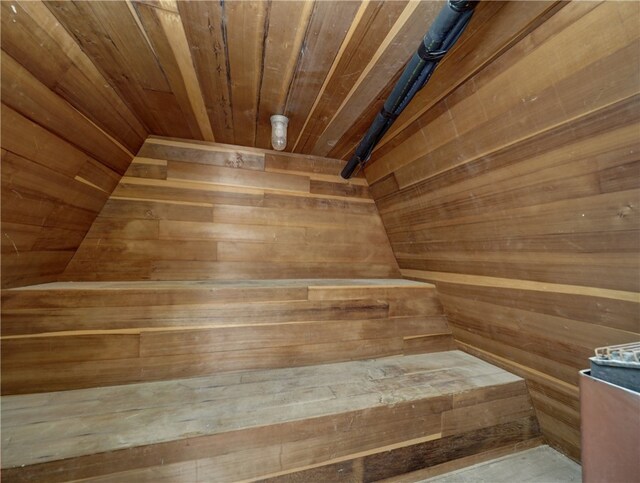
column 350, row 421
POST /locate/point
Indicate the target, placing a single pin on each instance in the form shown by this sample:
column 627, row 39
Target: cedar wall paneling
column 191, row 211
column 84, row 83
column 494, row 28
column 66, row 140
column 517, row 194
column 100, row 76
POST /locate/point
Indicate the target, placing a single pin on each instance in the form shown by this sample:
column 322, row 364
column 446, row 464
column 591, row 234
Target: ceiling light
column 279, row 131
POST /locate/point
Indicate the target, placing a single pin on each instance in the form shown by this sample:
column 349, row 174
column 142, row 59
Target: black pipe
column 442, row 35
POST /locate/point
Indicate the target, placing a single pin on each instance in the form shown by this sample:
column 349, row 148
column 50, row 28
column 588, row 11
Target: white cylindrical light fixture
column 279, row 131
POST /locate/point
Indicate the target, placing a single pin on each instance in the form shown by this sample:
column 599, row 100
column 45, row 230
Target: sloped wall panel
column 517, row 193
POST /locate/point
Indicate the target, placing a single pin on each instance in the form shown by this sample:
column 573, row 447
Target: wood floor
column 381, row 417
column 537, row 465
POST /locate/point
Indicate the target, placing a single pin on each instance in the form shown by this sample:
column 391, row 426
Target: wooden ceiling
column 217, row 70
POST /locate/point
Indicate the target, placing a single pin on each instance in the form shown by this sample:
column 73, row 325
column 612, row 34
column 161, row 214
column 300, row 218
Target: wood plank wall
column 90, row 80
column 190, row 211
column 67, row 137
column 516, row 192
column 495, row 27
column 101, row 76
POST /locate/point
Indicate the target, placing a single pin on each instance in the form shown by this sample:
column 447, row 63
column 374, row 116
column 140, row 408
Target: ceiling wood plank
column 329, row 24
column 36, row 40
column 352, row 29
column 495, row 28
column 245, row 37
column 202, row 22
column 166, row 34
column 347, row 144
column 565, row 100
column 109, row 34
column 393, row 53
column 27, row 139
column 25, row 94
column 288, row 22
column 373, row 22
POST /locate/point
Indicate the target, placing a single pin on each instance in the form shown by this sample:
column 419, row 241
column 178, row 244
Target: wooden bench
column 351, row 421
column 68, row 335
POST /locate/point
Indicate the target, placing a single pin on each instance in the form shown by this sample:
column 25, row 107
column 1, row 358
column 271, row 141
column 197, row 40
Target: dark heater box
column 619, row 373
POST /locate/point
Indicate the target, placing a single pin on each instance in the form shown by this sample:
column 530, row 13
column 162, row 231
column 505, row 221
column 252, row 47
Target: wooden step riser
column 19, row 305
column 38, row 320
column 415, row 462
column 371, row 444
column 131, row 297
column 24, row 378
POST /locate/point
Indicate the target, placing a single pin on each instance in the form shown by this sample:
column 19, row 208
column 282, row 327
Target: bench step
column 377, row 418
column 72, row 335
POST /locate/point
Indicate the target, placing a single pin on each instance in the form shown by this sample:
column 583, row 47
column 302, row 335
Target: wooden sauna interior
column 181, row 303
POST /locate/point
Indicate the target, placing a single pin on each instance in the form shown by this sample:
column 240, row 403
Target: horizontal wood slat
column 52, row 188
column 192, row 211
